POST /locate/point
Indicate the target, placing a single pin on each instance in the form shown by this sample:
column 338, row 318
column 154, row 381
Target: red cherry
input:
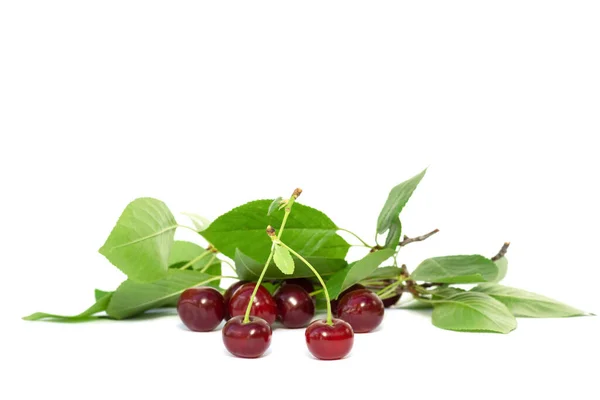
column 295, row 307
column 335, row 302
column 263, row 305
column 362, row 309
column 304, row 283
column 227, row 296
column 390, row 301
column 329, row 342
column 247, row 340
column 201, row 309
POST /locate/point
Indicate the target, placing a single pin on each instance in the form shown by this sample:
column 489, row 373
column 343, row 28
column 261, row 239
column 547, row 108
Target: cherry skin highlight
column 304, row 283
column 362, row 309
column 227, row 296
column 247, row 340
column 263, row 305
column 334, row 303
column 201, row 309
column 329, row 342
column 295, row 307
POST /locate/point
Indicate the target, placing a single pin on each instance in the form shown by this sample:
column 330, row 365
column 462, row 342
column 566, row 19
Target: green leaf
column 140, row 243
column 394, row 234
column 183, row 253
column 98, row 294
column 199, row 221
column 415, row 305
column 396, row 201
column 274, row 205
column 283, row 260
column 446, row 292
column 527, row 304
column 472, row 312
column 133, row 298
column 386, row 273
column 502, row 264
column 308, row 231
column 356, row 272
column 99, row 306
column 456, row 269
column 249, row 269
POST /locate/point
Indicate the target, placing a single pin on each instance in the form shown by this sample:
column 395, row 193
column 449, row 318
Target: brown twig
column 502, row 252
column 408, row 240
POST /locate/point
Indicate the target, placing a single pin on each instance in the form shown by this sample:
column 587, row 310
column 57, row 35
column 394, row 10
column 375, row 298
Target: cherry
column 329, row 342
column 334, row 303
column 201, row 309
column 247, row 340
column 362, row 309
column 304, row 283
column 227, row 296
column 390, row 301
column 263, row 305
column 295, row 307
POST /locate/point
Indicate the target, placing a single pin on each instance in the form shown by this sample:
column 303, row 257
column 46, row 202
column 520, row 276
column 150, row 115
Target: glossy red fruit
column 227, row 296
column 304, row 283
column 390, row 301
column 329, row 342
column 201, row 309
column 249, row 340
column 362, row 309
column 263, row 305
column 334, row 303
column 295, row 307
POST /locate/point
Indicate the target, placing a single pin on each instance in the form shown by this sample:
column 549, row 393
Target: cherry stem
column 329, row 317
column 365, row 244
column 260, row 278
column 390, row 288
column 208, row 264
column 195, row 260
column 288, row 210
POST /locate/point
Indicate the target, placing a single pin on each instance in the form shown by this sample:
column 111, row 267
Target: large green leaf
column 308, row 231
column 473, row 312
column 396, row 201
column 182, row 253
column 502, row 264
column 527, row 304
column 249, row 269
column 386, row 273
column 132, row 298
column 456, row 269
column 140, row 243
column 394, row 234
column 99, row 306
column 356, row 272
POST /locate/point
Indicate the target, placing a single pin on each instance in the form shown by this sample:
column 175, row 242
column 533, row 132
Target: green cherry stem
column 329, row 317
column 288, row 210
column 195, row 260
column 386, row 291
column 260, row 278
column 356, row 236
column 271, row 233
column 212, row 259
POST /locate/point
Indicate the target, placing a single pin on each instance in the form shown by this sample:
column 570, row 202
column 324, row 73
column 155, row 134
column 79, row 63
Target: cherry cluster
column 358, row 310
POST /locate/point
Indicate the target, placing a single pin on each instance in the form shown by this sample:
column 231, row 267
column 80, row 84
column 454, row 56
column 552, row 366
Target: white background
column 209, row 105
